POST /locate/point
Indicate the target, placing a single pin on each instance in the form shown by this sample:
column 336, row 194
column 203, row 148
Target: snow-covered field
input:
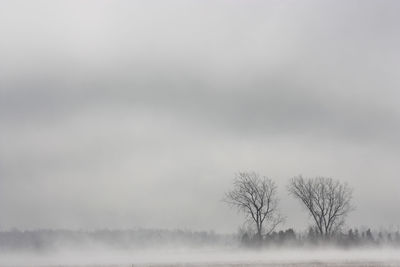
column 298, row 258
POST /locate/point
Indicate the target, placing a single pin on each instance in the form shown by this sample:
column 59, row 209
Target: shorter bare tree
column 255, row 196
column 327, row 200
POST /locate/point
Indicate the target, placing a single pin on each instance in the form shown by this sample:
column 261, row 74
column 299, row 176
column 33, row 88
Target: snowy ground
column 298, row 258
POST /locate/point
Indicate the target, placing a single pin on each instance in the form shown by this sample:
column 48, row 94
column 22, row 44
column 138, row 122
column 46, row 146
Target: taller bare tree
column 256, row 197
column 327, row 200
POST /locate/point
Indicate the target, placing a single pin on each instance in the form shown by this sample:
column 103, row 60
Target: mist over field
column 209, row 132
column 187, row 257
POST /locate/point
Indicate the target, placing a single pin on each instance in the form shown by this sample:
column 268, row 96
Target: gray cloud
column 131, row 114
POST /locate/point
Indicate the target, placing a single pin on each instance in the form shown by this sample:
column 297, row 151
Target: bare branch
column 326, row 199
column 255, row 196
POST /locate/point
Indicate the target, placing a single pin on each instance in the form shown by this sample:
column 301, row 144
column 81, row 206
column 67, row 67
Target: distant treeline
column 42, row 240
column 351, row 238
column 47, row 240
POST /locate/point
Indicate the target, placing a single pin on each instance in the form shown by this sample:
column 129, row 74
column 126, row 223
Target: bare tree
column 327, row 200
column 256, row 197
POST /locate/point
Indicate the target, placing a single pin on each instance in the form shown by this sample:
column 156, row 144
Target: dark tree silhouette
column 326, row 199
column 256, row 197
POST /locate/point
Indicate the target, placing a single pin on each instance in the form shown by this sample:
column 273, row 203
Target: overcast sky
column 125, row 114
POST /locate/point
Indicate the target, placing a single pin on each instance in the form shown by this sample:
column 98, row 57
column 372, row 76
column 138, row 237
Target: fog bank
column 204, row 256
